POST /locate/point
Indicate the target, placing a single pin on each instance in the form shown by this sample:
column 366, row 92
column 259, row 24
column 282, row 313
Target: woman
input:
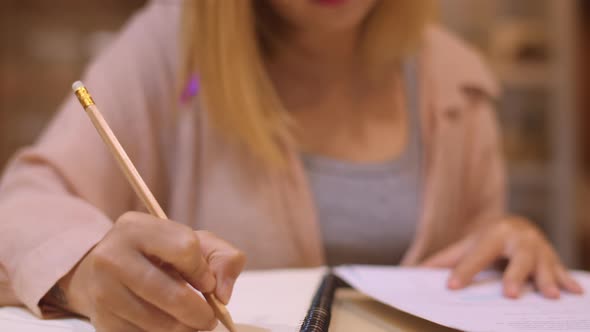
column 320, row 132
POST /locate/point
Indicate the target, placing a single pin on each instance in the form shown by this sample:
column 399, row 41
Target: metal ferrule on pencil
column 83, row 96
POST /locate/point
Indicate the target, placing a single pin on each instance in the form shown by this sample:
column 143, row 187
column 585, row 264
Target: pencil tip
column 220, row 312
column 231, row 327
column 228, row 322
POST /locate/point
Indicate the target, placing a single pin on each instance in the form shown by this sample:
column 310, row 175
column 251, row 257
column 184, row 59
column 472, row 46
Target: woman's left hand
column 528, row 252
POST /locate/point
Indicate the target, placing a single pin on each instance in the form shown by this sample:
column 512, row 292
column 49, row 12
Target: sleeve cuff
column 52, row 260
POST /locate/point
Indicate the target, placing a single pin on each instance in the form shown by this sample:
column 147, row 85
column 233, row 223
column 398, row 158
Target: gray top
column 368, row 211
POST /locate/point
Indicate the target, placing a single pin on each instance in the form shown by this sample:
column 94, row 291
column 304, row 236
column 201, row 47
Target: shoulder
column 151, row 31
column 165, row 14
column 453, row 67
column 158, row 22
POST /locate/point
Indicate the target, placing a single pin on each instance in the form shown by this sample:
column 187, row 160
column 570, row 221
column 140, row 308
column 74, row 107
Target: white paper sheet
column 21, row 320
column 481, row 307
column 277, row 300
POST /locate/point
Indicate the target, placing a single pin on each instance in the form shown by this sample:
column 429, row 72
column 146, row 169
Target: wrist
column 63, row 295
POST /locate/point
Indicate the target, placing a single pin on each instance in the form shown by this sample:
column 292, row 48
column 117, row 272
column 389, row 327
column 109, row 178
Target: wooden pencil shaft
column 144, row 193
column 131, row 173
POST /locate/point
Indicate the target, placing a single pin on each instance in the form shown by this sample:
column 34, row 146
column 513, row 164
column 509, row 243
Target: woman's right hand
column 121, row 286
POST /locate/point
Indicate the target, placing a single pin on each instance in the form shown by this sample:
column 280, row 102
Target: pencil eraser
column 77, row 85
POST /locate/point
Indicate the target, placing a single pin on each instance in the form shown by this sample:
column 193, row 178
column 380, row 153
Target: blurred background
column 537, row 48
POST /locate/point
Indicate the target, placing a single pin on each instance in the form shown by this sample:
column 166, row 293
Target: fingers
column 567, row 282
column 169, row 293
column 448, row 257
column 528, row 252
column 546, row 281
column 519, row 268
column 484, row 254
column 174, row 244
column 225, row 288
column 136, row 311
column 224, row 260
column 150, row 274
column 106, row 321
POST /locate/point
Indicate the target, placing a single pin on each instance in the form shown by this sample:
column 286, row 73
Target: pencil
column 139, row 186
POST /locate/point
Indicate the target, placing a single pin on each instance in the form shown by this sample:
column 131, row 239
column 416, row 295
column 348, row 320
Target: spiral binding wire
column 320, row 312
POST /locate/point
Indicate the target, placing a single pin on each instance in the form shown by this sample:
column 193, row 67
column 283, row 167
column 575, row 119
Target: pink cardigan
column 59, row 197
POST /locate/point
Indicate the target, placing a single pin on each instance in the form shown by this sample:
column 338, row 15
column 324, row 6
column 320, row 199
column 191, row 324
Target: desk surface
column 353, row 312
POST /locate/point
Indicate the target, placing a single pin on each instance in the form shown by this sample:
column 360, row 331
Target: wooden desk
column 354, row 312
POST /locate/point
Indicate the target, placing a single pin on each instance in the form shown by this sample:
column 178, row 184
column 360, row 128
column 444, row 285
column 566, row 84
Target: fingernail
column 208, row 282
column 577, row 288
column 454, row 283
column 226, row 289
column 512, row 290
column 553, row 292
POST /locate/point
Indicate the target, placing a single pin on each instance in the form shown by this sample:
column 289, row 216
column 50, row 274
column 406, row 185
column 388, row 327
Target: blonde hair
column 224, row 42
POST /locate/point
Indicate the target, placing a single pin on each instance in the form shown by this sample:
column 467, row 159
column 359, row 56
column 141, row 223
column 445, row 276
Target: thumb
column 225, row 261
column 448, row 257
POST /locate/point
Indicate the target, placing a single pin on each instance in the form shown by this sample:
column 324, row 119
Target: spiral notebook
column 319, row 315
column 421, row 293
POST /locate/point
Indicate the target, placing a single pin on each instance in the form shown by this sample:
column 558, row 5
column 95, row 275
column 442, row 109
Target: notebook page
column 481, row 307
column 277, row 300
column 21, row 320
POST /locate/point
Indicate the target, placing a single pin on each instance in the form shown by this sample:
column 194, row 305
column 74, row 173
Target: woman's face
column 323, row 16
